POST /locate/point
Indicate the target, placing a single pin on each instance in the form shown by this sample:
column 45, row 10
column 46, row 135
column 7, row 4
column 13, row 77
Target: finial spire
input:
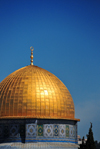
column 31, row 48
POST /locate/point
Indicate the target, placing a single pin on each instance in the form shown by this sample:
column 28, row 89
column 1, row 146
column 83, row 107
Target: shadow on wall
column 22, row 133
column 6, row 136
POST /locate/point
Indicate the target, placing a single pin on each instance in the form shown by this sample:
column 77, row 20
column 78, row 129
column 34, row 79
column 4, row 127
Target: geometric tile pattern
column 48, row 130
column 40, row 130
column 6, row 130
column 55, row 130
column 14, row 130
column 74, row 134
column 31, row 130
column 71, row 131
column 67, row 131
column 62, row 131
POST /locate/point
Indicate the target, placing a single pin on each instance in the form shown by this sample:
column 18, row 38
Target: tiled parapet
column 37, row 131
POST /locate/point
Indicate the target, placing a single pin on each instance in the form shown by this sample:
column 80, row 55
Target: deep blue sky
column 65, row 35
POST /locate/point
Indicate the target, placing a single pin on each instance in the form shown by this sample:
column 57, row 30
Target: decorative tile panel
column 6, row 130
column 62, row 131
column 14, row 130
column 67, row 131
column 31, row 130
column 40, row 130
column 72, row 131
column 48, row 130
column 56, row 130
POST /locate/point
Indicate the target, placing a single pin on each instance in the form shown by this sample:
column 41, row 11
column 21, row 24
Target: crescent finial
column 31, row 48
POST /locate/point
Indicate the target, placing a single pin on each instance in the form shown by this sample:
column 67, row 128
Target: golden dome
column 33, row 92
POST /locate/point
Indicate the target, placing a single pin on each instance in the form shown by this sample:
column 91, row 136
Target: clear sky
column 65, row 35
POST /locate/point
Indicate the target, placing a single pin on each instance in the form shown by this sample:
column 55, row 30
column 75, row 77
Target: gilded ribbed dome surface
column 33, row 92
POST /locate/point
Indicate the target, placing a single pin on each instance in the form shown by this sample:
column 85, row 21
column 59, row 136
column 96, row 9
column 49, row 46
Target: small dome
column 33, row 92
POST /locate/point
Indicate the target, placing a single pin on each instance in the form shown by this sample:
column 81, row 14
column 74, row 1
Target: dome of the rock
column 33, row 92
column 35, row 106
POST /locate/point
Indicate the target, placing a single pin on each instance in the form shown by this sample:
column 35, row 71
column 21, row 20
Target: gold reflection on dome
column 33, row 92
